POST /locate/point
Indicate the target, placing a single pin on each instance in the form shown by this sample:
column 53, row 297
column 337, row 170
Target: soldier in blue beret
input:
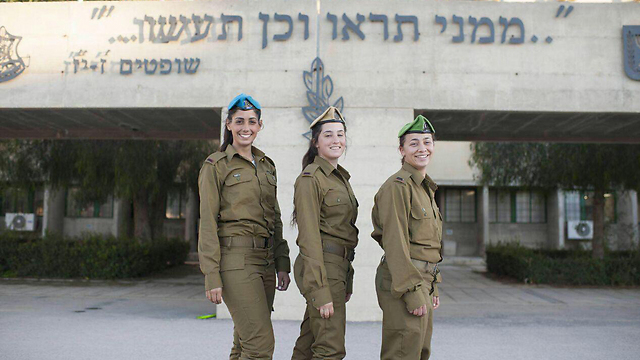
column 240, row 244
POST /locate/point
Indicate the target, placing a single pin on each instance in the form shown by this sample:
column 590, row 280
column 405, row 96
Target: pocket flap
column 419, row 212
column 231, row 262
column 334, row 198
column 237, row 177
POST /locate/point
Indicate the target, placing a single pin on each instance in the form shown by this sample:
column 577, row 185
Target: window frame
column 475, row 205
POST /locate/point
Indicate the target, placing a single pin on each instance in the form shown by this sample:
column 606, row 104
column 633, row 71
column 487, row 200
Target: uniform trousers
column 404, row 335
column 324, row 338
column 249, row 285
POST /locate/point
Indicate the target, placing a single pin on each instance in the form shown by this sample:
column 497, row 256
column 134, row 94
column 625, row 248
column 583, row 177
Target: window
column 460, row 205
column 176, row 205
column 578, row 205
column 16, row 201
column 74, row 208
column 517, row 206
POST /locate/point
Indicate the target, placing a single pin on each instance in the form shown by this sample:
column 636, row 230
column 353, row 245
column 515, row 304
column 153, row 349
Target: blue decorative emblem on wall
column 631, row 39
column 11, row 64
column 319, row 91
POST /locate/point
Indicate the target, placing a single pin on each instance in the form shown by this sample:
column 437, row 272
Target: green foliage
column 93, row 257
column 563, row 267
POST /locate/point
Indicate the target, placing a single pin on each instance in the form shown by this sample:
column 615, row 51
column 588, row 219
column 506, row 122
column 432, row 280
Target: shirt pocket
column 335, row 207
column 422, row 225
column 239, row 188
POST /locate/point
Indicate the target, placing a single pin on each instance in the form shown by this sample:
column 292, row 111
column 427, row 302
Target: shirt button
column 338, row 199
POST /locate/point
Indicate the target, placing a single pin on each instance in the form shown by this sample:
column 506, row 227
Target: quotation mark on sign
column 102, row 12
column 561, row 9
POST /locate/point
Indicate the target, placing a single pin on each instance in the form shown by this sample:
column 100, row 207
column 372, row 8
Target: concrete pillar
column 555, row 219
column 191, row 219
column 53, row 213
column 121, row 217
column 627, row 208
column 483, row 219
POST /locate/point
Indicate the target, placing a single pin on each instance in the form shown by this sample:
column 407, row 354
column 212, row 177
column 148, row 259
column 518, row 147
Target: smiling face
column 331, row 141
column 417, row 150
column 244, row 126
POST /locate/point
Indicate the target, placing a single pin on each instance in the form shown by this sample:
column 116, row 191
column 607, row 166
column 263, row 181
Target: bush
column 91, row 256
column 563, row 267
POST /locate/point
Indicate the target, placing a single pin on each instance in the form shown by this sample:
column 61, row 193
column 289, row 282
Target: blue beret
column 244, row 102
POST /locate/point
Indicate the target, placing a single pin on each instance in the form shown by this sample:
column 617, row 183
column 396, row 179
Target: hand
column 283, row 280
column 422, row 310
column 215, row 295
column 326, row 310
column 436, row 302
column 347, row 298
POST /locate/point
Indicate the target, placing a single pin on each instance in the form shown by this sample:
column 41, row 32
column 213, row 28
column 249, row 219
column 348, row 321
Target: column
column 555, row 219
column 53, row 214
column 191, row 220
column 483, row 220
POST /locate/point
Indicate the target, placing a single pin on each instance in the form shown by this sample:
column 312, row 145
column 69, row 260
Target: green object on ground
column 204, row 317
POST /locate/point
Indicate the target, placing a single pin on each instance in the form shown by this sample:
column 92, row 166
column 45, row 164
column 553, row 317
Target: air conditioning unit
column 20, row 222
column 580, row 229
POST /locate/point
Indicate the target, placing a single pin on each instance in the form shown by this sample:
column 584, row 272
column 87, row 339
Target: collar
column 231, row 152
column 327, row 168
column 416, row 175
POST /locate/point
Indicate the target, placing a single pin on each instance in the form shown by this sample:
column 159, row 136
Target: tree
column 142, row 171
column 596, row 167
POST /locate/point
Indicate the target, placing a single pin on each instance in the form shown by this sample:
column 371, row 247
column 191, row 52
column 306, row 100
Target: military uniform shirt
column 326, row 209
column 238, row 198
column 407, row 224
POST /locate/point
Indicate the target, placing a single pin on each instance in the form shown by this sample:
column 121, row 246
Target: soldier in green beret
column 240, row 244
column 408, row 226
column 325, row 211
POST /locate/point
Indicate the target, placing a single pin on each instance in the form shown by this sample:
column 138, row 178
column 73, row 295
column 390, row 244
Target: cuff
column 350, row 280
column 414, row 299
column 283, row 263
column 435, row 290
column 212, row 281
column 320, row 297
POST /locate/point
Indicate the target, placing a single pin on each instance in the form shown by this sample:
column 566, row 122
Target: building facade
column 480, row 71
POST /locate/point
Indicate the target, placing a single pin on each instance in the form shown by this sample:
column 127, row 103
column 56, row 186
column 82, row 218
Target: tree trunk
column 142, row 226
column 157, row 215
column 598, row 224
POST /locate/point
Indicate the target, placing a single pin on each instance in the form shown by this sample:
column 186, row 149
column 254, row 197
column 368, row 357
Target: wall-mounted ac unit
column 20, row 222
column 580, row 229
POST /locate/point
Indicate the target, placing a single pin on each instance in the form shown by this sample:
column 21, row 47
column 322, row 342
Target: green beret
column 418, row 126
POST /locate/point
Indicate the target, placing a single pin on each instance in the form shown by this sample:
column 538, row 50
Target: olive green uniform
column 408, row 226
column 240, row 244
column 326, row 212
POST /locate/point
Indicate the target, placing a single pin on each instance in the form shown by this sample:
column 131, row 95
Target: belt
column 247, row 242
column 340, row 250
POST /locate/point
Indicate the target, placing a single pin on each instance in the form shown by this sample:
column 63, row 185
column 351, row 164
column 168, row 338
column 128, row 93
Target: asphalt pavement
column 156, row 318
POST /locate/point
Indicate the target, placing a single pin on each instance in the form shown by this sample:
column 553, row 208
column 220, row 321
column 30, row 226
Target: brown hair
column 403, row 138
column 227, row 138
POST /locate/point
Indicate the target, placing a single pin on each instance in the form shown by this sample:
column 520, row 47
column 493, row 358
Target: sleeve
column 406, row 280
column 208, row 242
column 280, row 246
column 307, row 201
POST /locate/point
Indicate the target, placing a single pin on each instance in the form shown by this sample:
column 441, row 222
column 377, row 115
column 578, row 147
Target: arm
column 406, row 280
column 307, row 200
column 208, row 242
column 280, row 246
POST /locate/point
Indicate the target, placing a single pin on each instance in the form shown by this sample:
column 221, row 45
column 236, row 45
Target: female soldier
column 325, row 211
column 240, row 244
column 408, row 226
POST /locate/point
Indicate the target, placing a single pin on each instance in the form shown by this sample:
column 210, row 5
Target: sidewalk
column 156, row 318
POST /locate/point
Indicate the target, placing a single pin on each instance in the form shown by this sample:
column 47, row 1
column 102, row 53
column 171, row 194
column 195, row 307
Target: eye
column 239, row 121
column 253, row 121
column 340, row 135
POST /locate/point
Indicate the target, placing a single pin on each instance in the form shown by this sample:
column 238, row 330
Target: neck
column 244, row 151
column 333, row 162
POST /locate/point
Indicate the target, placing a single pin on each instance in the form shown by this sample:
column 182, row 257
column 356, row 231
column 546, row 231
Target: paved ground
column 156, row 319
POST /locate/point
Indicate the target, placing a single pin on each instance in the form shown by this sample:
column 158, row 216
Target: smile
column 244, row 136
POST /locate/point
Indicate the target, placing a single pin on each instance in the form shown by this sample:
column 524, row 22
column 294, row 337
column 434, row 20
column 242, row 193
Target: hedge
column 89, row 257
column 563, row 267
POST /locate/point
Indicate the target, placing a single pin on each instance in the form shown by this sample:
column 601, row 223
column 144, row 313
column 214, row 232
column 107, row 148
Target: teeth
column 245, row 136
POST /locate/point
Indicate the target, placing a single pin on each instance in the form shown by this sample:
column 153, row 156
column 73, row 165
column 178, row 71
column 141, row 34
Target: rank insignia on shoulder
column 237, row 176
column 306, row 173
column 209, row 161
column 399, row 179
